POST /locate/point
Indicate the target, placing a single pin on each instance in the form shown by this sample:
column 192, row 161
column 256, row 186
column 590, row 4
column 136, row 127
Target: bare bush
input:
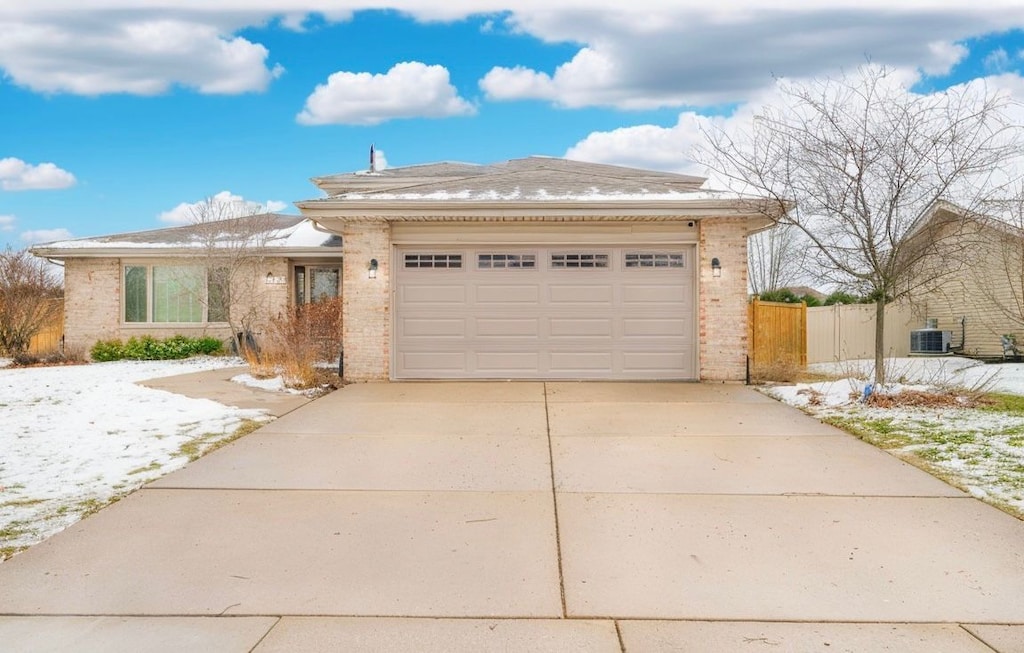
column 29, row 294
column 295, row 342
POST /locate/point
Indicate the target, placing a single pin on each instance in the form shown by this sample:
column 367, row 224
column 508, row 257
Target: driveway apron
column 531, row 516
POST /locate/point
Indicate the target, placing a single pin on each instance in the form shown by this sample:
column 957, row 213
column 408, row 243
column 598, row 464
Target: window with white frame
column 172, row 294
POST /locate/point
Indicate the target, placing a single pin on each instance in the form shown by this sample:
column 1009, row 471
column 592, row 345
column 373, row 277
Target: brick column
column 723, row 300
column 366, row 302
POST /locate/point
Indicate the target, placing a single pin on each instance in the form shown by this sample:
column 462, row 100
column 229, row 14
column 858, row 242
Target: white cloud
column 45, row 235
column 222, row 206
column 409, row 90
column 7, row 222
column 142, row 52
column 646, row 146
column 15, row 174
column 944, row 55
column 997, row 60
column 683, row 55
column 647, row 53
column 669, row 148
column 517, row 83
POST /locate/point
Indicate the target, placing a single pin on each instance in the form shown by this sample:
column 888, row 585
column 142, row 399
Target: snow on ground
column 72, row 437
column 983, row 450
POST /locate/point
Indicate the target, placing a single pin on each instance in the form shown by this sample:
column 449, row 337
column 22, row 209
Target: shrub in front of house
column 148, row 348
column 296, row 341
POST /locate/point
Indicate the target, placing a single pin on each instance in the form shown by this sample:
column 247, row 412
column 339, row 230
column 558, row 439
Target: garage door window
column 578, row 260
column 506, row 261
column 654, row 260
column 442, row 261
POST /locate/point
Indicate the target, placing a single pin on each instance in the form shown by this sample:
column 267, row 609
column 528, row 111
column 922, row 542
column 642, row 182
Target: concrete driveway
column 534, row 517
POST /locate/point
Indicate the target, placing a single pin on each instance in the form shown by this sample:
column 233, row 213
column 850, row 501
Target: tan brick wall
column 92, row 305
column 366, row 303
column 92, row 302
column 723, row 300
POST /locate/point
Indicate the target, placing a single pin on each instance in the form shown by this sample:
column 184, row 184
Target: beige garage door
column 545, row 313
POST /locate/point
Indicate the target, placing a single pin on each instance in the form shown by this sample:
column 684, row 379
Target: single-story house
column 535, row 268
column 193, row 280
column 971, row 281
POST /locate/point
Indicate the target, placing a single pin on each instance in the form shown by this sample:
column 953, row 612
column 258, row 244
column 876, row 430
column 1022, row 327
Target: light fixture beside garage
column 716, row 267
column 373, row 268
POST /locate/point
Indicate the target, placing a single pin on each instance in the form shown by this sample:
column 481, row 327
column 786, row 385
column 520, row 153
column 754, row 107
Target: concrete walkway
column 531, row 517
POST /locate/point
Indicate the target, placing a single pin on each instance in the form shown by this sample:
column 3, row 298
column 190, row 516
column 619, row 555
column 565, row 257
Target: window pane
column 587, row 260
column 134, row 293
column 177, row 294
column 654, row 260
column 506, row 261
column 447, row 261
column 323, row 283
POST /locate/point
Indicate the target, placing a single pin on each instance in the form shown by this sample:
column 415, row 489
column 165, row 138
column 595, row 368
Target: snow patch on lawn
column 982, row 450
column 75, row 436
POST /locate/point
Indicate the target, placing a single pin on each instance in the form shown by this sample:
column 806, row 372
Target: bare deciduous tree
column 862, row 157
column 775, row 258
column 29, row 299
column 231, row 240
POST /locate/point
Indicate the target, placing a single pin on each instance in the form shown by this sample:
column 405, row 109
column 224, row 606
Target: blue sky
column 118, row 117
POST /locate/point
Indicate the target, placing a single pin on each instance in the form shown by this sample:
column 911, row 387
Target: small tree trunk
column 880, row 340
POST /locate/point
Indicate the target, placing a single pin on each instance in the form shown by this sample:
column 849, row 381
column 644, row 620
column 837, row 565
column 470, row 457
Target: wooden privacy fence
column 792, row 334
column 778, row 333
column 49, row 339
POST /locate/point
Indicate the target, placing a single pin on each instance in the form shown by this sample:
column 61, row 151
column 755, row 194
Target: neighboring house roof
column 1006, row 216
column 540, row 186
column 293, row 235
column 803, row 291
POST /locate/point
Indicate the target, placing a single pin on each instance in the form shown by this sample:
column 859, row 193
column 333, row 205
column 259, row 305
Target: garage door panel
column 578, row 321
column 654, row 294
column 435, row 361
column 432, row 327
column 579, row 294
column 571, row 327
column 657, row 327
column 508, row 327
column 507, row 294
column 517, row 363
column 433, row 294
column 580, row 361
column 656, row 361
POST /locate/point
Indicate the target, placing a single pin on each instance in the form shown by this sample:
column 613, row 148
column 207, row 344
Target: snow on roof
column 267, row 230
column 542, row 195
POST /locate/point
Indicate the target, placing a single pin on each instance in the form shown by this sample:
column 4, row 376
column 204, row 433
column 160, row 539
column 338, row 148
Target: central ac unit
column 930, row 341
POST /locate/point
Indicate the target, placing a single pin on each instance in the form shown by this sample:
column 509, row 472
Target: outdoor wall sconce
column 716, row 267
column 373, row 268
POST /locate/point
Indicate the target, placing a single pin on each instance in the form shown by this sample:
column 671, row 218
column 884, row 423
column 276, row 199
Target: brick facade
column 366, row 302
column 723, row 300
column 92, row 302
